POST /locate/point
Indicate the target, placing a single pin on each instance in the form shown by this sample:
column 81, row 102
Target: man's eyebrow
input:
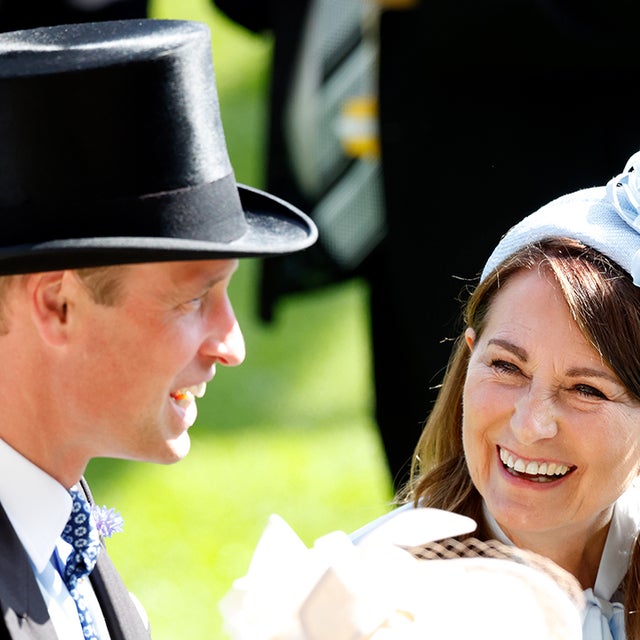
column 219, row 277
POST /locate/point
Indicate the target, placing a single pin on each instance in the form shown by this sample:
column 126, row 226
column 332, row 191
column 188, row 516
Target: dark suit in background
column 487, row 111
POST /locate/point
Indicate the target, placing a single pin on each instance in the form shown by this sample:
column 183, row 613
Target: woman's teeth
column 533, row 468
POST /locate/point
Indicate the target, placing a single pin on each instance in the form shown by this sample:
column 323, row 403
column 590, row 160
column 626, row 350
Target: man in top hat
column 122, row 226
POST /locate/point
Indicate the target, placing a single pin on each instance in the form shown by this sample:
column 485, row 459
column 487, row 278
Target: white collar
column 37, row 505
column 619, row 544
column 614, row 563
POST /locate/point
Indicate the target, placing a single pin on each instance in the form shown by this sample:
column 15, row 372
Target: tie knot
column 82, row 534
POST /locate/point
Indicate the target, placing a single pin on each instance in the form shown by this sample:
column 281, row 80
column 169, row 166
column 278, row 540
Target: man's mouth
column 186, row 396
column 534, row 470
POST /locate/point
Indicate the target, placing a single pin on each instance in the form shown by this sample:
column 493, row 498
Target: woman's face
column 551, row 436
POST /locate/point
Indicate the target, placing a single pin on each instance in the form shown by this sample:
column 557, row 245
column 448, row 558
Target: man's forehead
column 183, row 271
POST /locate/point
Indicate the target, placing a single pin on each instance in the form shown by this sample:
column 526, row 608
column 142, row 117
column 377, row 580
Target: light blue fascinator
column 605, row 218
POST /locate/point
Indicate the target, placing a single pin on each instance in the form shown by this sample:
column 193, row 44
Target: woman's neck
column 577, row 551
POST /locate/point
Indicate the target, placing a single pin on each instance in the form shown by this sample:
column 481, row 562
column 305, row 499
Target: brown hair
column 606, row 306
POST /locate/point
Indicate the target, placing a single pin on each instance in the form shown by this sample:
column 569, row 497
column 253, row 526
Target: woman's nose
column 534, row 417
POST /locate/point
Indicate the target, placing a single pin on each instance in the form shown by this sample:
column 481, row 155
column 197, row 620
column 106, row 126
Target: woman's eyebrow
column 575, row 372
column 589, row 372
column 509, row 346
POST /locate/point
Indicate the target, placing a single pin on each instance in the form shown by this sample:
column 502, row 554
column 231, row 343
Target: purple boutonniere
column 108, row 521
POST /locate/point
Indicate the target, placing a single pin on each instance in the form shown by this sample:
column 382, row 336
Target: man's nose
column 229, row 348
column 224, row 342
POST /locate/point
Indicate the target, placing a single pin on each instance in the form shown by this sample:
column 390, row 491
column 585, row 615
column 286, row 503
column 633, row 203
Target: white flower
column 108, row 521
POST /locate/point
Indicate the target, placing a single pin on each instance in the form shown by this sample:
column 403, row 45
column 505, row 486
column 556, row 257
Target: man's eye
column 194, row 303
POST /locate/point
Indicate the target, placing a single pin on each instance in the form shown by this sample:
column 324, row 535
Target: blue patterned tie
column 81, row 533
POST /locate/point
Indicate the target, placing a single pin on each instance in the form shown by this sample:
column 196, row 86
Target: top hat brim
column 273, row 227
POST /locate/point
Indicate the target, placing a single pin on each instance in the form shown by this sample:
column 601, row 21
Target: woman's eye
column 503, row 365
column 589, row 391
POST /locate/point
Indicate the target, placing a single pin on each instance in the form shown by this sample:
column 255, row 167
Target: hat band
column 185, row 213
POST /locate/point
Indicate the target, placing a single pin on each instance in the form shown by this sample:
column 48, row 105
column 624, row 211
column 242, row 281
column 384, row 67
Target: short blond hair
column 104, row 283
column 5, row 283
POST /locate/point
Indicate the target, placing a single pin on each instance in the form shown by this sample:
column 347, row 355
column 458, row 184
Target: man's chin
column 178, row 448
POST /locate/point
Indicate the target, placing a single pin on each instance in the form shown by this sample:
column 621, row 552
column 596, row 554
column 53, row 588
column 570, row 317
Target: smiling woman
column 534, row 434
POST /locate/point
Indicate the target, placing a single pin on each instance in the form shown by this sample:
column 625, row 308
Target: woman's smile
column 533, row 470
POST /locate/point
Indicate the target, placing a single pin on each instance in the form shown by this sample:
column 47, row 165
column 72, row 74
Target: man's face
column 137, row 366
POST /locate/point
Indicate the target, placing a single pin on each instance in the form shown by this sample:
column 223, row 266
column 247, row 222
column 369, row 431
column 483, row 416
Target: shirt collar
column 619, row 544
column 37, row 505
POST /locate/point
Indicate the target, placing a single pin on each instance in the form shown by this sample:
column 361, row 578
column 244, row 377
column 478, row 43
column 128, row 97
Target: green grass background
column 289, row 432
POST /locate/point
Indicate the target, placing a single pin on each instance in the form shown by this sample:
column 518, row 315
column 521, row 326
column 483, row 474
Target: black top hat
column 112, row 151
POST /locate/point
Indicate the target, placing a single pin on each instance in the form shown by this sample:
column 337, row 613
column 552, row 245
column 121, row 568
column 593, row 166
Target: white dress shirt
column 38, row 508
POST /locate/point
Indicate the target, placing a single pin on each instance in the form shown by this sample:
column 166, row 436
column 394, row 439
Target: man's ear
column 48, row 303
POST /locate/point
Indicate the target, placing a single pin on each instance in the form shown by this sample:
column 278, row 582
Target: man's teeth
column 186, row 395
column 198, row 389
column 532, row 468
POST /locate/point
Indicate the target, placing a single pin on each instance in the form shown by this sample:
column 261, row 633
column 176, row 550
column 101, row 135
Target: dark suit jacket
column 24, row 614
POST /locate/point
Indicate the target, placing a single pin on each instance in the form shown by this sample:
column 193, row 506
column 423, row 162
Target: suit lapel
column 122, row 617
column 24, row 612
